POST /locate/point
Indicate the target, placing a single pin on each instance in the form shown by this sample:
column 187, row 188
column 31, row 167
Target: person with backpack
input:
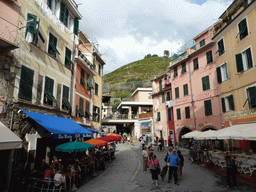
column 155, row 169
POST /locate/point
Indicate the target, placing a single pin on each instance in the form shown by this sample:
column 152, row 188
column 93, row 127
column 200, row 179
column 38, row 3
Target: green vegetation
column 137, row 71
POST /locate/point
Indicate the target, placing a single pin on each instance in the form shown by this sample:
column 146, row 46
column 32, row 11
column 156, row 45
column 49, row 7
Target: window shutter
column 185, row 89
column 239, row 63
column 219, row 75
column 187, row 111
column 202, row 43
column 163, row 98
column 220, row 47
column 49, row 3
column 168, row 97
column 62, row 12
column 76, row 26
column 158, row 116
column 243, row 31
column 195, row 61
column 175, row 72
column 169, row 111
column 177, row 95
column 223, row 105
column 252, row 96
column 82, row 77
column 178, row 114
column 31, row 26
column 209, row 57
column 26, row 83
column 89, row 82
column 232, row 105
column 160, row 85
column 205, row 83
column 99, row 71
column 208, row 107
column 249, row 58
column 96, row 89
column 81, row 107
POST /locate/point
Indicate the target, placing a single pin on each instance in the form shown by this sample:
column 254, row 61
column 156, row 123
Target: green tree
column 155, row 55
column 147, row 56
column 166, row 54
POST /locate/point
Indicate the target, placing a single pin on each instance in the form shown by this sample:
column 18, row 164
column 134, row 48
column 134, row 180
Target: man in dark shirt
column 231, row 169
column 42, row 168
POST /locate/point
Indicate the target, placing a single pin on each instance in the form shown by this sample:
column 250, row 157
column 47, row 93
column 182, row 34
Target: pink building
column 163, row 108
column 196, row 92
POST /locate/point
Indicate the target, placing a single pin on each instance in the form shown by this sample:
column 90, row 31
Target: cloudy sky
column 127, row 30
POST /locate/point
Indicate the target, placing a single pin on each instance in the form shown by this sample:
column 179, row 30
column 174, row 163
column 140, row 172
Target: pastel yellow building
column 236, row 44
column 98, row 64
column 47, row 40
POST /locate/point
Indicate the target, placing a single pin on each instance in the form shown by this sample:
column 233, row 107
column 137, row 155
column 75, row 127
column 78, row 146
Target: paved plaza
column 125, row 174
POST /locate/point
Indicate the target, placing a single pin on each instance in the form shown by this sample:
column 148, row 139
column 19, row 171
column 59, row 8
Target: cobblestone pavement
column 195, row 178
column 120, row 175
column 125, row 174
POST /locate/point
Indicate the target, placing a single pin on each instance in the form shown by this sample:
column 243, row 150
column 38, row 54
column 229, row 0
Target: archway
column 207, row 128
column 184, row 131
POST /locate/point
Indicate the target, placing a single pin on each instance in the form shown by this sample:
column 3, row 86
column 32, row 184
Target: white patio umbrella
column 248, row 133
column 227, row 133
column 192, row 134
column 206, row 135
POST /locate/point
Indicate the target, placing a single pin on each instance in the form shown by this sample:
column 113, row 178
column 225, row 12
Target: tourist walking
column 155, row 169
column 173, row 160
column 142, row 142
column 181, row 164
column 145, row 159
column 231, row 170
column 150, row 151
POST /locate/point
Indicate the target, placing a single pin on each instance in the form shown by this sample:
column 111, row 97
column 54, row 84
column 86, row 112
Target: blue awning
column 61, row 128
column 97, row 131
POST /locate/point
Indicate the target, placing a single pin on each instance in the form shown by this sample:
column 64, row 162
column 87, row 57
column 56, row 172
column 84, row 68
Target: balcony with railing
column 86, row 61
column 179, row 58
column 98, row 55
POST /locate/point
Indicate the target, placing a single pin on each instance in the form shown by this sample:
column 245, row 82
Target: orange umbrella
column 113, row 134
column 110, row 138
column 97, row 142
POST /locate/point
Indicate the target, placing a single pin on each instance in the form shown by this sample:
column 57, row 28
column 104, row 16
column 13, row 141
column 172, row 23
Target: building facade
column 196, row 92
column 163, row 108
column 235, row 41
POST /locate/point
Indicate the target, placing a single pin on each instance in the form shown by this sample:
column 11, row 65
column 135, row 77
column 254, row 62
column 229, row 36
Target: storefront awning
column 8, row 139
column 97, row 131
column 61, row 128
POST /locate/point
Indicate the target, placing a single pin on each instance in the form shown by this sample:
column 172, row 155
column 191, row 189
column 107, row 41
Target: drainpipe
column 73, row 82
column 192, row 99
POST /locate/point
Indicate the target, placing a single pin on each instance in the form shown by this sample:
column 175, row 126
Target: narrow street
column 125, row 174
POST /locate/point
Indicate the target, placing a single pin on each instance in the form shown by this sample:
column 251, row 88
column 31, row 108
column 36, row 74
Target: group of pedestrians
column 174, row 163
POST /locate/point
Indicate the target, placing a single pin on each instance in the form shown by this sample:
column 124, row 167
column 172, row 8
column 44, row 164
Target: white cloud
column 127, row 30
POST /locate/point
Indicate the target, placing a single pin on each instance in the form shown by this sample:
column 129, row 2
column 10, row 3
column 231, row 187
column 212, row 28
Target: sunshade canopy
column 192, row 134
column 110, row 138
column 206, row 135
column 97, row 131
column 61, row 128
column 8, row 139
column 97, row 142
column 113, row 134
column 76, row 146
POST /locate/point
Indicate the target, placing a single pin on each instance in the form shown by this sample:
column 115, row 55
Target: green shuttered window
column 81, row 107
column 89, row 82
column 209, row 57
column 163, row 98
column 251, row 92
column 239, row 63
column 202, row 43
column 68, row 61
column 178, row 114
column 168, row 96
column 76, row 26
column 96, row 89
column 26, row 83
column 63, row 14
column 96, row 113
column 244, row 60
column 187, row 112
column 52, row 48
column 208, row 107
column 82, row 82
column 169, row 113
column 243, row 30
column 185, row 89
column 206, row 83
column 65, row 98
column 183, row 70
column 158, row 116
column 219, row 75
column 177, row 93
column 99, row 72
column 195, row 62
column 160, row 85
column 221, row 49
column 175, row 70
column 48, row 91
column 87, row 110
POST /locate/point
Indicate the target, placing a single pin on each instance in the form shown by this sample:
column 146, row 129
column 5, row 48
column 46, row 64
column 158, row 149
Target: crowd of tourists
column 72, row 169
